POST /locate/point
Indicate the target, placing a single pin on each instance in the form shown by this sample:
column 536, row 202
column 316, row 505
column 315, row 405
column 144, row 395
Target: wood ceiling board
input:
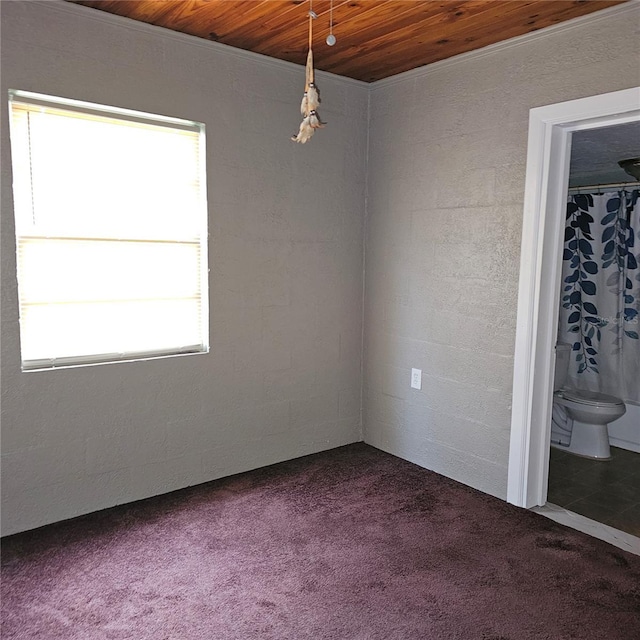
column 436, row 27
column 192, row 17
column 240, row 26
column 449, row 39
column 353, row 14
column 322, row 8
column 363, row 24
column 230, row 20
column 375, row 38
column 134, row 9
column 279, row 30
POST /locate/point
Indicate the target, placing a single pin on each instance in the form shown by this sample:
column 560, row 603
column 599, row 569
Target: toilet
column 580, row 419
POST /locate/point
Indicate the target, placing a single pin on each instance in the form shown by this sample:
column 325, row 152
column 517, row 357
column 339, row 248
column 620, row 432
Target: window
column 111, row 232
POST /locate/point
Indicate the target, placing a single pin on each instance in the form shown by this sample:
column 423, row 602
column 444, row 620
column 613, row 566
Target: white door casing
column 547, row 176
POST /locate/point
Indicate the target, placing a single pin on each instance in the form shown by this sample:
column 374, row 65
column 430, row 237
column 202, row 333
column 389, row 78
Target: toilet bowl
column 580, row 422
column 580, row 419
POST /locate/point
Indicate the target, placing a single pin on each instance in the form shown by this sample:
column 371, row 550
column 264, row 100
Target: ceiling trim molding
column 151, row 29
column 631, row 6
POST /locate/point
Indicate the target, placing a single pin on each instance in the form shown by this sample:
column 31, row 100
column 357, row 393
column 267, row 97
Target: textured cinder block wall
column 286, row 239
column 448, row 148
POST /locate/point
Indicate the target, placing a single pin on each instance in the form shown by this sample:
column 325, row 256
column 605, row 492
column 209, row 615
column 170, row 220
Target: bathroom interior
column 594, row 462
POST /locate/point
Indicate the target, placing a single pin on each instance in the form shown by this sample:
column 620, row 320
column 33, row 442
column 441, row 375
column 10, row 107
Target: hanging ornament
column 305, row 132
column 311, row 98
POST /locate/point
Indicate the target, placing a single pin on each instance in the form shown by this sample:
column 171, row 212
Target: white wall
column 446, row 186
column 625, row 431
column 446, row 182
column 286, row 240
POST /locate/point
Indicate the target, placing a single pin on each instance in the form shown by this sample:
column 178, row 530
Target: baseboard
column 615, row 537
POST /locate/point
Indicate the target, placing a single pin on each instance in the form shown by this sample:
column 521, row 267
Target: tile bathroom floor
column 607, row 491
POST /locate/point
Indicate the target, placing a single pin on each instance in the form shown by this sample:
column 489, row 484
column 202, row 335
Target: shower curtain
column 600, row 297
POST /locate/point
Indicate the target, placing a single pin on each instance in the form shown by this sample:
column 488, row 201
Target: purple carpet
column 349, row 544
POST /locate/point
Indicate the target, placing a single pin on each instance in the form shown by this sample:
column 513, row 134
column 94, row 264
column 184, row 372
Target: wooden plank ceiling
column 375, row 39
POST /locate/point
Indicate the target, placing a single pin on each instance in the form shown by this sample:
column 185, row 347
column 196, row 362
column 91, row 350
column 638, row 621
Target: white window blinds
column 111, row 231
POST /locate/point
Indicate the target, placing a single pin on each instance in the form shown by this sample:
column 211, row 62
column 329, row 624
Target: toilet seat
column 590, row 398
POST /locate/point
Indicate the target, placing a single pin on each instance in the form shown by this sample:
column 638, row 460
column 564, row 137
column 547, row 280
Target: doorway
column 548, row 158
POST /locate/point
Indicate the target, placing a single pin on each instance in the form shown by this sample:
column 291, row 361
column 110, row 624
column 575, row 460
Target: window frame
column 46, row 102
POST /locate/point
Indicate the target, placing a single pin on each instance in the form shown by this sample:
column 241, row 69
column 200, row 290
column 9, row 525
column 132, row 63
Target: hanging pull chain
column 331, row 39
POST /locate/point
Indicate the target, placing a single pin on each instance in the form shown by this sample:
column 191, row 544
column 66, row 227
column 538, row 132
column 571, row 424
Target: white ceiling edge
column 631, row 6
column 135, row 25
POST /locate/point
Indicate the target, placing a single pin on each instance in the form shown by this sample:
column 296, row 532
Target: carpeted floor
column 349, row 544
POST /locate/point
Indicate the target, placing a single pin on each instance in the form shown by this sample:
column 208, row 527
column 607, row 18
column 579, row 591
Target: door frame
column 547, row 179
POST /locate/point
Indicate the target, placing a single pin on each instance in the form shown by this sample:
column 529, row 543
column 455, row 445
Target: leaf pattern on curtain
column 619, row 239
column 578, row 252
column 601, row 292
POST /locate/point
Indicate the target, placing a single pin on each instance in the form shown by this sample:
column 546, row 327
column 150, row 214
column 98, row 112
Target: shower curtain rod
column 601, row 187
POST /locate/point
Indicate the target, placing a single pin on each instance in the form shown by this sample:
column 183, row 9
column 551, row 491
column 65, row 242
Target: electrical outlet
column 416, row 378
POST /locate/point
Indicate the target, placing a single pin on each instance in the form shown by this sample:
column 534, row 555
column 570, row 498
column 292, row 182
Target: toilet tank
column 563, row 353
